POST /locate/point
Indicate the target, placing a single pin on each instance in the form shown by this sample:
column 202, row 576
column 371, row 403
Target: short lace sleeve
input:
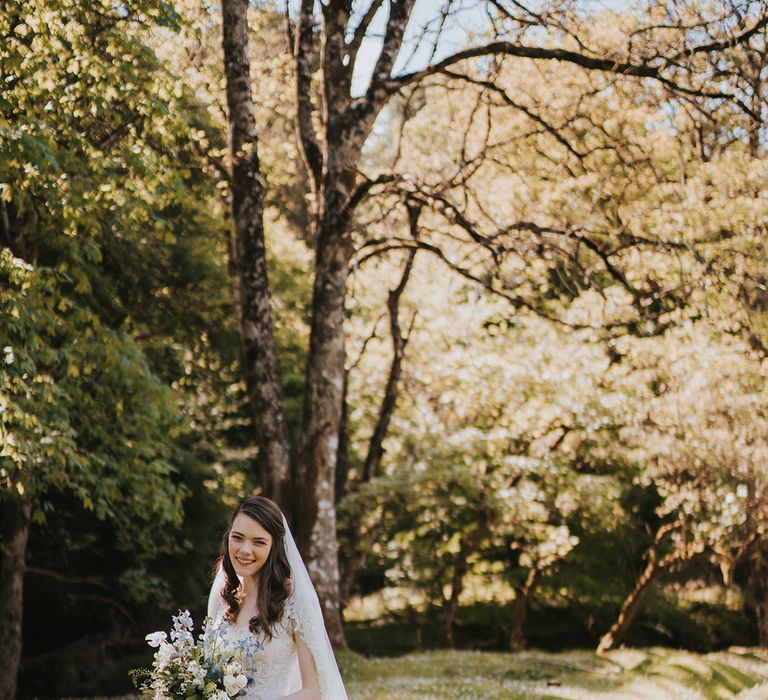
column 298, row 620
column 291, row 616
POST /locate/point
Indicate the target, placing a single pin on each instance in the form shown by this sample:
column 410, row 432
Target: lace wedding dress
column 273, row 664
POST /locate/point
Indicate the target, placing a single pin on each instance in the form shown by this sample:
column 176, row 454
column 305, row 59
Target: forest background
column 512, row 389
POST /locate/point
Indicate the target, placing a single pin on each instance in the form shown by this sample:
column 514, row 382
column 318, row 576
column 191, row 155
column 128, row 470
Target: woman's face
column 249, row 545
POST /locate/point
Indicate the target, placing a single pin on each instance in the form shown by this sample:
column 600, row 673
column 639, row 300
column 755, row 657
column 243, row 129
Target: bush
column 701, row 627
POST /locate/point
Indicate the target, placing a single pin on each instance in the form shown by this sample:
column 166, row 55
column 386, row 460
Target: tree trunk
column 520, row 610
column 457, row 586
column 14, row 531
column 259, row 355
column 468, row 544
column 332, row 164
column 315, row 475
column 615, row 635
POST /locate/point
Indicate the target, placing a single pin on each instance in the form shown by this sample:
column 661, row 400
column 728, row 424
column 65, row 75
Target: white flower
column 156, row 638
column 161, row 692
column 164, row 654
column 219, row 695
column 242, row 681
column 9, row 358
column 197, row 673
column 18, row 262
column 234, row 684
column 228, row 683
column 233, row 668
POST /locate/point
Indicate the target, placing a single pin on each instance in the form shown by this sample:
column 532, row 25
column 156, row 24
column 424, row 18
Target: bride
column 262, row 600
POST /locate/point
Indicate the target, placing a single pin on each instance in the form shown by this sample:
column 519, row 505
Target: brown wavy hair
column 274, row 576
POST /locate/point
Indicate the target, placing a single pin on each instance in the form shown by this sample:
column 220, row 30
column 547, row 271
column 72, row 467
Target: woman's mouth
column 245, row 562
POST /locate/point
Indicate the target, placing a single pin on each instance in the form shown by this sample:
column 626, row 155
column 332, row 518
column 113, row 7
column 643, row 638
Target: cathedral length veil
column 309, row 616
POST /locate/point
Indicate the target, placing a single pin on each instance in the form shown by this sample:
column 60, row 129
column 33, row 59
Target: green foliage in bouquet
column 211, row 668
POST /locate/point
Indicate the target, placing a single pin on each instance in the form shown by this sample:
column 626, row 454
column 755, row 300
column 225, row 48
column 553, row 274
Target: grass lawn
column 625, row 674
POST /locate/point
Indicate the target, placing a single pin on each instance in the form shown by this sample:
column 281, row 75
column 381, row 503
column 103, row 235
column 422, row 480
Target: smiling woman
column 249, row 545
column 257, row 570
column 263, row 601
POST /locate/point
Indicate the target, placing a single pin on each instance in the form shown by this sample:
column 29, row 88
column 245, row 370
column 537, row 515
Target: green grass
column 649, row 674
column 625, row 674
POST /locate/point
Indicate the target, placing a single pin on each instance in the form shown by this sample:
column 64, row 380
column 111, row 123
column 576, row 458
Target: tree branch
column 399, row 14
column 746, row 35
column 384, row 246
column 364, row 188
column 360, row 32
column 399, row 343
column 642, row 70
column 303, row 53
column 507, row 100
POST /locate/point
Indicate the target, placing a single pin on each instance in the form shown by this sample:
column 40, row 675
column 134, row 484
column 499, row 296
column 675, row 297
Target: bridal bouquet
column 209, row 669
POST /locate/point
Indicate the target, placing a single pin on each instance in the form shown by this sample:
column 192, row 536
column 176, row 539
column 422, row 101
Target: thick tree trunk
column 332, row 165
column 14, row 531
column 520, row 609
column 259, row 353
column 315, row 474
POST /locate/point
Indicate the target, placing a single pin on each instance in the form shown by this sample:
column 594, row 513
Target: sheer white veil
column 309, row 622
